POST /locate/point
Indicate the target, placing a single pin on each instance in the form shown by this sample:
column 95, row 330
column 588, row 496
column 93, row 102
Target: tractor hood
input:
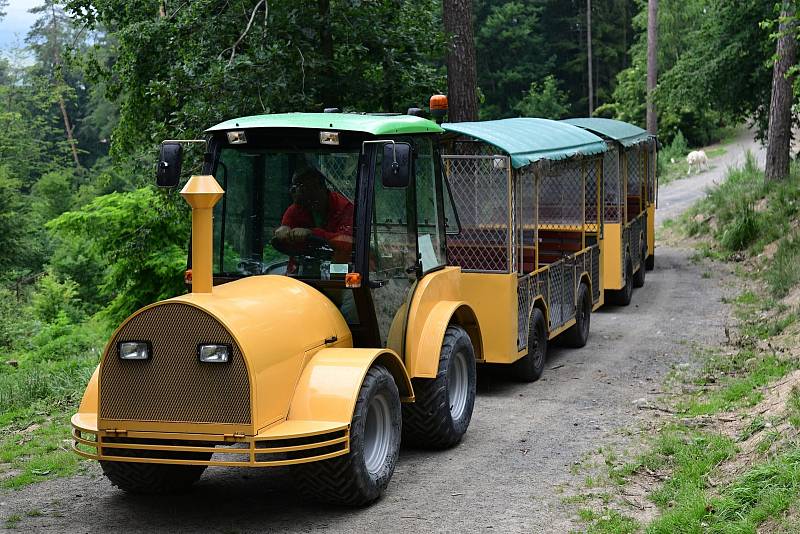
column 271, row 324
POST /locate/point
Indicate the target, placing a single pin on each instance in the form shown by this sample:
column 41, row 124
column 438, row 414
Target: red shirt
column 337, row 230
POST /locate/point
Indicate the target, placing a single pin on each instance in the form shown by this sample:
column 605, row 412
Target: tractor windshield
column 285, row 212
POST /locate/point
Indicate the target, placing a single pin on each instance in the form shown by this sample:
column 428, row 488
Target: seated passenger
column 319, row 212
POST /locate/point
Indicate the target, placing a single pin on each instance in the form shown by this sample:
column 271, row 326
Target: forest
column 87, row 238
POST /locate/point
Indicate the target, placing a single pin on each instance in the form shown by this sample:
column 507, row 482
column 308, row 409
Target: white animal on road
column 697, row 158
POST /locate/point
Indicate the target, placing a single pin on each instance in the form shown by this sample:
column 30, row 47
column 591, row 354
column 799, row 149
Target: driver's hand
column 299, row 235
column 282, row 233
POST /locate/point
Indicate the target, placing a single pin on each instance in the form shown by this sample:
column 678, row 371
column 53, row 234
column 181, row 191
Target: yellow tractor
column 318, row 292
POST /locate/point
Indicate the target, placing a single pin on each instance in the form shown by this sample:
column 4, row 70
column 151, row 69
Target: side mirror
column 396, row 165
column 168, row 172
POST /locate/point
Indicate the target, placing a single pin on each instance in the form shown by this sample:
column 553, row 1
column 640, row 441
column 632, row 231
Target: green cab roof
column 624, row 133
column 371, row 124
column 528, row 140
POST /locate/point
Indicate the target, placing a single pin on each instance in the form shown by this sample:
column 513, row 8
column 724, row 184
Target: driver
column 317, row 211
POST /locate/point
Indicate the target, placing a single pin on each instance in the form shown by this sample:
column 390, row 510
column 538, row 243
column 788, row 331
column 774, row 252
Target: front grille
column 173, row 385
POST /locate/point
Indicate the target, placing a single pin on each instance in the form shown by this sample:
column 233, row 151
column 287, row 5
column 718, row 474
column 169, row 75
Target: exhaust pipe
column 202, row 193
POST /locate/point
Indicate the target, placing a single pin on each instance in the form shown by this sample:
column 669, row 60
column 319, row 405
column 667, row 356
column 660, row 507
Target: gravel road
column 507, row 475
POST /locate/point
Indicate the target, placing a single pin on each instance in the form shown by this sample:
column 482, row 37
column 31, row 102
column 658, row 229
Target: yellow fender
column 91, row 397
column 329, row 386
column 423, row 359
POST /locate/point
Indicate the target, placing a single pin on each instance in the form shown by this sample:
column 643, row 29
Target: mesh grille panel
column 481, row 193
column 173, row 385
column 612, row 188
column 561, row 196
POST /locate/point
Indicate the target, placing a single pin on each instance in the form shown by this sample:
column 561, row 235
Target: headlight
column 214, row 353
column 134, row 350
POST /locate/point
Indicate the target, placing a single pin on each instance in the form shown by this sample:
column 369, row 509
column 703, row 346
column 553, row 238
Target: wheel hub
column 458, row 385
column 378, row 432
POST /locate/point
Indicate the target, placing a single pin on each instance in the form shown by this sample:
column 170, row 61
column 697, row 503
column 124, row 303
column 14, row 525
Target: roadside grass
column 38, row 394
column 607, row 522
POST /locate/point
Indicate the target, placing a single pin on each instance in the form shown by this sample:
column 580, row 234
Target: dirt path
column 510, row 472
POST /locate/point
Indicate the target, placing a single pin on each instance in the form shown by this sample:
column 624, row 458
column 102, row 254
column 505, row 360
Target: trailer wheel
column 651, row 262
column 623, row 296
column 153, row 479
column 638, row 278
column 578, row 334
column 442, row 411
column 360, row 477
column 531, row 366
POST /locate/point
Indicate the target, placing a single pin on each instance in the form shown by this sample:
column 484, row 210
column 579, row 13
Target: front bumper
column 286, row 443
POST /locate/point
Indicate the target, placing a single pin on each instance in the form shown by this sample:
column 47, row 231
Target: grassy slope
column 757, row 224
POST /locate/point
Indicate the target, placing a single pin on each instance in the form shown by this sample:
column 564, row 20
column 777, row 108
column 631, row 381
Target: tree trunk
column 652, row 64
column 462, row 75
column 779, row 135
column 589, row 54
column 331, row 98
column 61, row 104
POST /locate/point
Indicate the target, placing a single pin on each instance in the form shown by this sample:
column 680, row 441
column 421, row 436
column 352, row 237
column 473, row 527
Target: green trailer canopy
column 624, row 133
column 354, row 122
column 529, row 140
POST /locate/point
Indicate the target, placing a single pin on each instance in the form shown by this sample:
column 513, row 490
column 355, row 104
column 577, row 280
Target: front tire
column 578, row 334
column 439, row 417
column 141, row 478
column 361, row 476
column 530, row 367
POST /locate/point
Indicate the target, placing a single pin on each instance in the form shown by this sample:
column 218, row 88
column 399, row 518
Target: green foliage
column 142, row 243
column 544, row 100
column 714, row 68
column 177, row 76
column 54, row 299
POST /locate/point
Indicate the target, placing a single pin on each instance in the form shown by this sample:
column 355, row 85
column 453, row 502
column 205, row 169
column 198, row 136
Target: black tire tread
column 573, row 337
column 152, row 479
column 332, row 481
column 523, row 370
column 426, row 422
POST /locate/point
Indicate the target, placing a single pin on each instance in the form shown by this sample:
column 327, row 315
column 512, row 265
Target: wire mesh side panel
column 593, row 171
column 595, row 273
column 626, row 243
column 480, row 189
column 523, row 309
column 561, row 292
column 652, row 160
column 526, row 219
column 636, row 161
column 561, row 197
column 529, row 288
column 612, row 185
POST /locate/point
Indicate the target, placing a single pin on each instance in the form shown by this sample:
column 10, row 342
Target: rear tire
column 623, row 296
column 360, row 477
column 531, row 366
column 153, row 479
column 651, row 262
column 441, row 414
column 638, row 278
column 578, row 334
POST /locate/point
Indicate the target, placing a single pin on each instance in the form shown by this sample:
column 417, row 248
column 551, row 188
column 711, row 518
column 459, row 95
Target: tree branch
column 246, row 30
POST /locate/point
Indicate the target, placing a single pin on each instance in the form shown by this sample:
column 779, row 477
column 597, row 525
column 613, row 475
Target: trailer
column 527, row 232
column 629, row 204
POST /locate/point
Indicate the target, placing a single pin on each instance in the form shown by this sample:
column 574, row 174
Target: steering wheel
column 313, row 248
